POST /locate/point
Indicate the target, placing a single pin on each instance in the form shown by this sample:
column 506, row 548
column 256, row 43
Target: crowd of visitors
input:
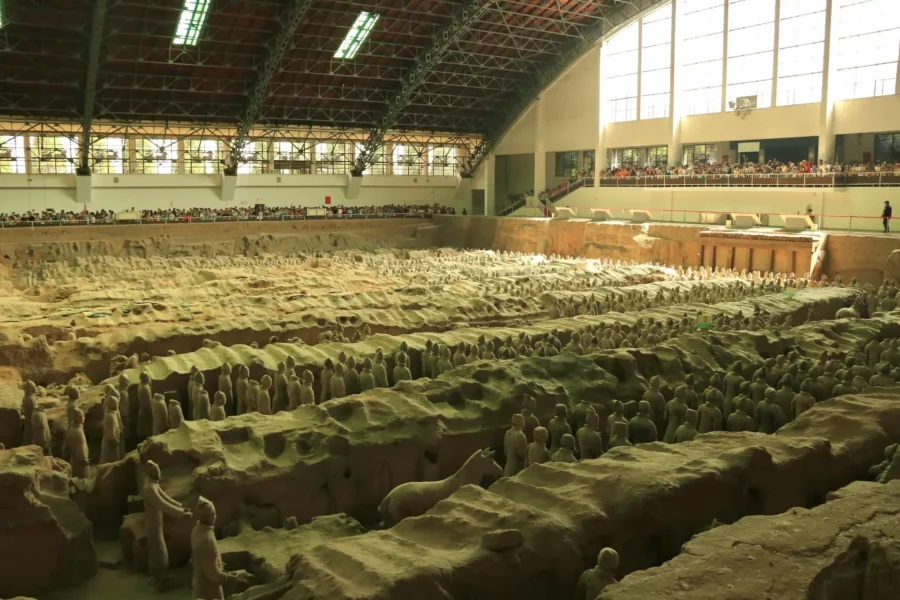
column 772, row 167
column 248, row 212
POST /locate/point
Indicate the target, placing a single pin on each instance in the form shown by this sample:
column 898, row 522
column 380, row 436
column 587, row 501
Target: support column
column 540, row 155
column 826, row 127
column 490, row 172
column 270, row 156
column 725, row 61
column 132, row 154
column 600, row 149
column 675, row 149
column 180, row 161
column 775, row 53
column 26, row 147
column 640, row 62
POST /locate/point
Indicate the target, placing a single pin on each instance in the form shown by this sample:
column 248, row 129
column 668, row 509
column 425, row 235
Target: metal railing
column 207, row 219
column 555, row 195
column 791, row 180
column 822, row 221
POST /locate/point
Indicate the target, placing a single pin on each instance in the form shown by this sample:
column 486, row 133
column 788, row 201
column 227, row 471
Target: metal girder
column 618, row 14
column 90, row 85
column 428, row 59
column 296, row 10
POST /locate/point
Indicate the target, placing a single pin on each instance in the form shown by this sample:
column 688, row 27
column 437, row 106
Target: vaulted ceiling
column 461, row 66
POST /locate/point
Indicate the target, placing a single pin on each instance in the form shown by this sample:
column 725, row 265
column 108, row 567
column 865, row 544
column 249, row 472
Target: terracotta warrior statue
column 590, row 444
column 242, row 389
column 226, row 387
column 112, row 433
column 263, row 399
column 537, row 450
column 29, row 401
column 158, row 504
column 145, row 406
column 160, row 412
column 401, row 371
column 366, row 377
column 558, row 427
column 593, row 581
column 515, row 446
column 566, row 451
column 76, row 448
column 209, row 571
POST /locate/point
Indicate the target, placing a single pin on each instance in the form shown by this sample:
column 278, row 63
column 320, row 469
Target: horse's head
column 481, row 465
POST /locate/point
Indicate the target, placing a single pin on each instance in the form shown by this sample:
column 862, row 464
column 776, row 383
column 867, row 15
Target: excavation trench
column 345, row 455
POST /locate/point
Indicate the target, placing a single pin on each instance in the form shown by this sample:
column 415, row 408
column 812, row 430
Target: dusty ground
column 87, row 313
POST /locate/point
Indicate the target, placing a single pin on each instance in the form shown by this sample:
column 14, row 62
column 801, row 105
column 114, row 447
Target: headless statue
column 515, row 446
column 145, row 406
column 157, row 505
column 537, row 452
column 76, row 446
column 112, row 433
column 242, row 389
column 593, row 581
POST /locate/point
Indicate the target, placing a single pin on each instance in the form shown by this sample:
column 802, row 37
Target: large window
column 656, row 55
column 253, row 159
column 202, row 157
column 658, row 156
column 625, row 157
column 801, row 51
column 409, row 160
column 887, row 147
column 332, row 158
column 589, row 162
column 566, row 164
column 294, row 157
column 866, row 54
column 701, row 154
column 619, row 71
column 12, row 154
column 442, row 161
column 382, row 162
column 53, row 154
column 156, row 156
column 108, row 155
column 701, row 27
column 751, row 45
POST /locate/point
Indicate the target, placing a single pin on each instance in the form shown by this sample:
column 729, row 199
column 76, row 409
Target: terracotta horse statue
column 414, row 498
column 859, row 310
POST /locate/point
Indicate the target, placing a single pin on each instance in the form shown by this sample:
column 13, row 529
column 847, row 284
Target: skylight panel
column 3, row 20
column 191, row 22
column 358, row 34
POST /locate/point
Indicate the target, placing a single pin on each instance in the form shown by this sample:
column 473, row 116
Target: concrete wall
column 19, row 193
column 681, row 204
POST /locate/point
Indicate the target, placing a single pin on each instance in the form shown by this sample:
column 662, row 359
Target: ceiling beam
column 294, row 14
column 90, row 85
column 619, row 14
column 427, row 60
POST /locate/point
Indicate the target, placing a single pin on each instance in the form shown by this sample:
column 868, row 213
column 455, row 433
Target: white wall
column 19, row 193
column 681, row 205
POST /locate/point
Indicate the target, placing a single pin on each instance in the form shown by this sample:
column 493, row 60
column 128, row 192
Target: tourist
column 886, row 216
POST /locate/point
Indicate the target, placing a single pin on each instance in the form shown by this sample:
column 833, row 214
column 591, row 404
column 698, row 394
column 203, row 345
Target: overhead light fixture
column 358, row 34
column 191, row 22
